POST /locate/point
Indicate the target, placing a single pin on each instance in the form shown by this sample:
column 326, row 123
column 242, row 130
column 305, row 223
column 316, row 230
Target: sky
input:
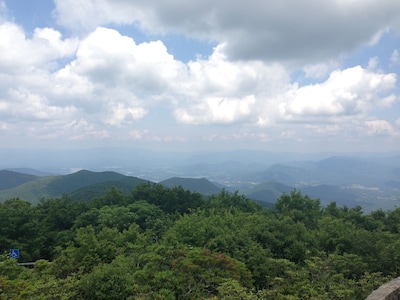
column 287, row 75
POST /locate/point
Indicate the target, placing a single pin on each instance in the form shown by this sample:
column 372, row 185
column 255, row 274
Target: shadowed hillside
column 201, row 185
column 126, row 185
column 268, row 192
column 10, row 179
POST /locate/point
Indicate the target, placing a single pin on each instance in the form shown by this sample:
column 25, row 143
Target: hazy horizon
column 130, row 160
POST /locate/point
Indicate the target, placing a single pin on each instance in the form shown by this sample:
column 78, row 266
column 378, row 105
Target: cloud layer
column 249, row 30
column 100, row 84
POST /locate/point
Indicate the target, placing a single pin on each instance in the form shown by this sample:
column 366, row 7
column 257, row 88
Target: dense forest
column 170, row 243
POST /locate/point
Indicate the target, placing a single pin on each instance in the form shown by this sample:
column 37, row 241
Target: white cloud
column 308, row 30
column 219, row 91
column 109, row 82
column 346, row 95
column 30, row 107
column 111, row 59
column 19, row 53
column 217, row 110
column 351, row 92
column 380, row 127
column 114, row 82
column 220, row 77
column 395, row 58
column 81, row 129
column 120, row 114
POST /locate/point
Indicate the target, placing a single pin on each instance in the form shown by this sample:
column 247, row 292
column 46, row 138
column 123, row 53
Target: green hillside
column 125, row 185
column 55, row 186
column 31, row 191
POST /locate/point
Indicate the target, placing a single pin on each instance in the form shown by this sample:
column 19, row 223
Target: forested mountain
column 80, row 184
column 369, row 183
column 86, row 185
column 170, row 243
column 10, row 179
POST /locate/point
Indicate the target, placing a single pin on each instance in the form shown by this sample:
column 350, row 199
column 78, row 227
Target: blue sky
column 201, row 75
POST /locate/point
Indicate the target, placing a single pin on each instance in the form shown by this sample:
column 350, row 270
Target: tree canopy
column 170, row 243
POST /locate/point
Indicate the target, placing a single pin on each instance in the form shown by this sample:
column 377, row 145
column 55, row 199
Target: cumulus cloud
column 108, row 79
column 25, row 78
column 217, row 110
column 345, row 95
column 19, row 53
column 350, row 92
column 115, row 81
column 249, row 30
column 106, row 56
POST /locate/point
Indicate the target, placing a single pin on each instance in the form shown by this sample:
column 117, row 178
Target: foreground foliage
column 169, row 243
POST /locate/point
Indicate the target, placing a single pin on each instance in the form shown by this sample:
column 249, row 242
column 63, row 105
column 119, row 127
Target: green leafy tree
column 117, row 217
column 19, row 228
column 107, row 281
column 170, row 200
column 226, row 200
column 200, row 272
column 56, row 218
column 300, row 208
column 112, row 197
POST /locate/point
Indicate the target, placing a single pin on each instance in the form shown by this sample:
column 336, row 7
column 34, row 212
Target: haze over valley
column 371, row 181
column 257, row 98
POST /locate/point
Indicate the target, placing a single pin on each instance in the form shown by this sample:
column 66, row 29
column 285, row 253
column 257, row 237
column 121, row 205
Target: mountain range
column 371, row 182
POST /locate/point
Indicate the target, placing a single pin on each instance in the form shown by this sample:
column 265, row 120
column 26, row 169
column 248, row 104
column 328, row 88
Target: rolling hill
column 125, row 185
column 372, row 182
column 85, row 185
column 77, row 184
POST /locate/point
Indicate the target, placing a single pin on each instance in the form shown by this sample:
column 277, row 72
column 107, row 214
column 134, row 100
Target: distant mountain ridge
column 30, row 171
column 84, row 185
column 10, row 179
column 371, row 182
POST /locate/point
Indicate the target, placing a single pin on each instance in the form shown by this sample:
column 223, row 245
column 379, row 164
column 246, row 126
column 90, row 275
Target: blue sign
column 14, row 253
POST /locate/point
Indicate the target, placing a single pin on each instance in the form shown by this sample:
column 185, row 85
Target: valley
column 370, row 181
